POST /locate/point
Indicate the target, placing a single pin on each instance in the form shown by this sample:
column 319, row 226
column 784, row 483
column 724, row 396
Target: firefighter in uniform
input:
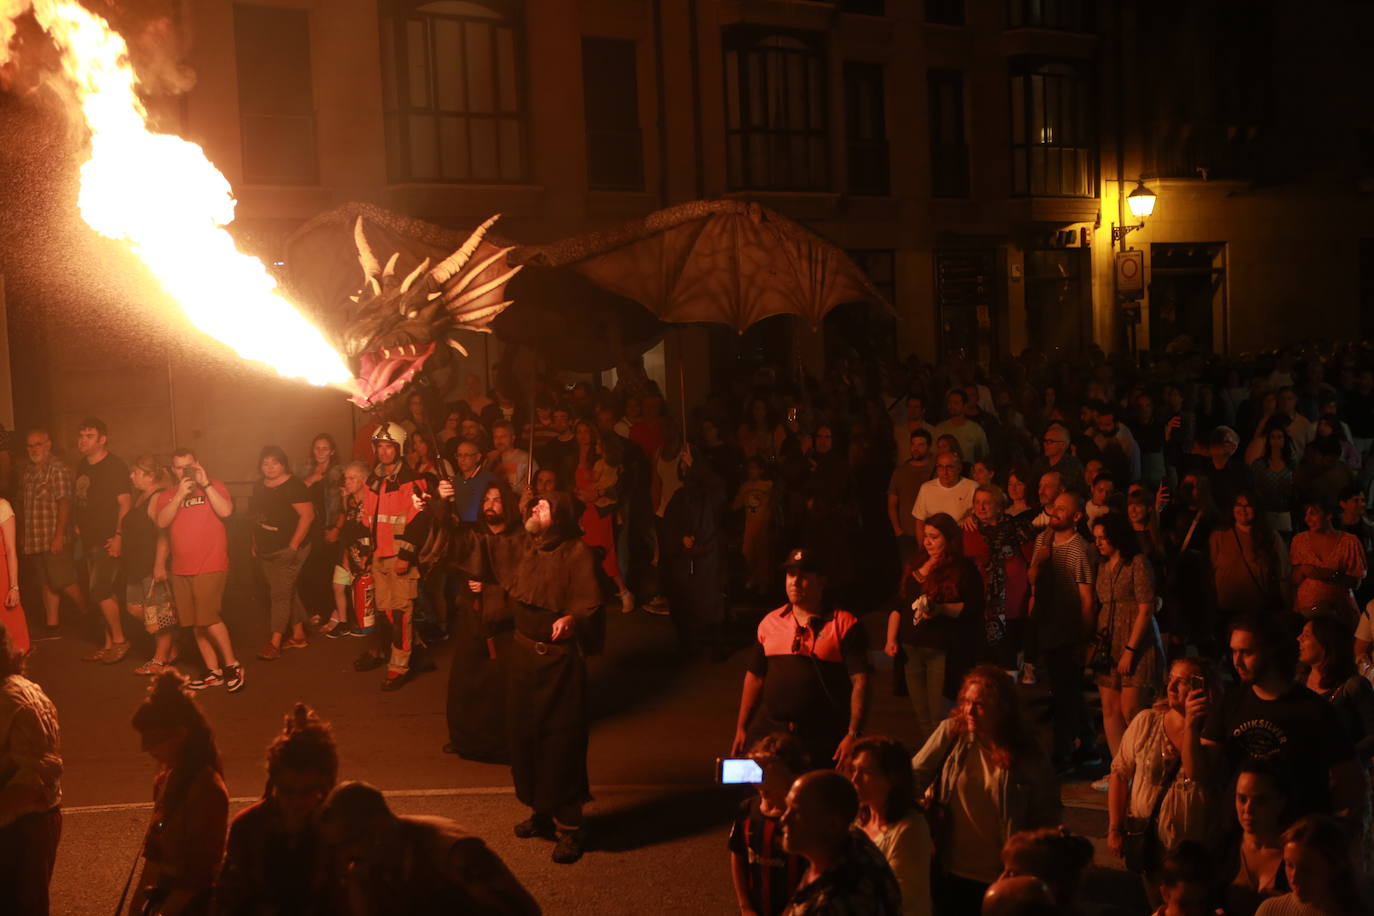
column 394, row 515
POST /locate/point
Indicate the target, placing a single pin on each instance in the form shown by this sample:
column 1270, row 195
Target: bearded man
column 482, row 634
column 551, row 576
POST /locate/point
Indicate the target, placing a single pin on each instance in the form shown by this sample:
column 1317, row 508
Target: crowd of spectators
column 1187, row 539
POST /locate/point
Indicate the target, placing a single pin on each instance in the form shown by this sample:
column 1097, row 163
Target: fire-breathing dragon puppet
column 725, row 262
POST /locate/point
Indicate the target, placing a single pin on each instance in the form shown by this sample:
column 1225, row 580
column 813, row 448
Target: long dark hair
column 1262, row 537
column 1116, row 528
column 169, row 705
column 1338, row 644
column 305, row 744
column 510, row 505
column 944, row 523
column 894, row 760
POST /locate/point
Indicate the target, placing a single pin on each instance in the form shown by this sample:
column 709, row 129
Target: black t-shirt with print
column 96, row 498
column 1298, row 733
column 274, row 515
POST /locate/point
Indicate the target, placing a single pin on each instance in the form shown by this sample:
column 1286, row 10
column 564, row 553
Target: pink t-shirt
column 199, row 544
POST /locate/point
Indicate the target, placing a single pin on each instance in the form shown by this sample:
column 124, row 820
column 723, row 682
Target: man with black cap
column 550, row 576
column 809, row 673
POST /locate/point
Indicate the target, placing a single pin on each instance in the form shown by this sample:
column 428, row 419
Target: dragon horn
column 365, row 256
column 457, row 346
column 454, row 302
column 414, row 274
column 390, row 270
column 471, row 275
column 454, row 262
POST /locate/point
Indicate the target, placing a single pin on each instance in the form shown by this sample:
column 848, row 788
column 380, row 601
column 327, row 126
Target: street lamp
column 1141, row 203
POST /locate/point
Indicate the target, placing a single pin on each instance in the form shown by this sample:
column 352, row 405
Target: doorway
column 1187, row 296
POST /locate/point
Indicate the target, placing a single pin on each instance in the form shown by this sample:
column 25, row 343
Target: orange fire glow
column 161, row 196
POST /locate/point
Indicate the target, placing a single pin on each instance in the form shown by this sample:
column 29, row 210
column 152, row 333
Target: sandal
column 115, row 654
column 97, row 656
column 151, row 667
column 269, row 653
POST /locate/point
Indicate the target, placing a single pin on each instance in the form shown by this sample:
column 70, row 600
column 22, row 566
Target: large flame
column 159, row 195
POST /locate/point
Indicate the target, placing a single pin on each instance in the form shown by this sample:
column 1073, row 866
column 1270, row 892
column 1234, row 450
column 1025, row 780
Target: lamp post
column 1141, row 203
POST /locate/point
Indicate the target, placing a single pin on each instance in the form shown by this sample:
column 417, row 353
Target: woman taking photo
column 1158, row 777
column 185, row 840
column 1249, row 561
column 594, row 482
column 938, row 620
column 145, row 553
column 272, row 859
column 989, row 780
column 881, row 773
column 282, row 515
column 1326, row 655
column 1327, row 565
column 1126, row 626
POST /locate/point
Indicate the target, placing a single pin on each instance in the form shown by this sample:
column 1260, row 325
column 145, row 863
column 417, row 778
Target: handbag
column 1140, row 846
column 159, row 614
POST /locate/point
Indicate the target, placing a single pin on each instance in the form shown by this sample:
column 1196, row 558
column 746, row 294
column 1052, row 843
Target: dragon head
column 399, row 323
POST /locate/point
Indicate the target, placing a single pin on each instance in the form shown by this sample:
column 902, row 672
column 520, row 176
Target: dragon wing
column 720, row 261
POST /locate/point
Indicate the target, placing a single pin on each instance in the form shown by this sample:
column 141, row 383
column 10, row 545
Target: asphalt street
column 657, row 826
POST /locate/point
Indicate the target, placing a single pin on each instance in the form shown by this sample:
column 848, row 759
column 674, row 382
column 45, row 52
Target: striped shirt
column 1057, row 607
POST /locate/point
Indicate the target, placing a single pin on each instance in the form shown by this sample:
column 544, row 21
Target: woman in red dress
column 11, row 611
column 594, row 482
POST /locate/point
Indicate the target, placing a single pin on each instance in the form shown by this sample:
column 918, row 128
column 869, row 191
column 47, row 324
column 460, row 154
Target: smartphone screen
column 736, row 771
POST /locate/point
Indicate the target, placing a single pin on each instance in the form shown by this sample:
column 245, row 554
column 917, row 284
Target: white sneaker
column 1103, row 784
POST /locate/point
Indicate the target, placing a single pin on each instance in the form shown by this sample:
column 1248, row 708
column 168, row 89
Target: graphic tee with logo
column 1299, row 734
column 96, row 498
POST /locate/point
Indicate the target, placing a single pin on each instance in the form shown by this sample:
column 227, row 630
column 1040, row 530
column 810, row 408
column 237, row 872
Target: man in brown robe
column 551, row 576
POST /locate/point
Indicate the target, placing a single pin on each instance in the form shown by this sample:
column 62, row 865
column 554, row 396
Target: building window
column 454, row 94
column 864, row 7
column 945, row 12
column 1053, row 132
column 948, row 139
column 775, row 109
column 865, row 128
column 276, row 98
column 610, row 93
column 1060, row 15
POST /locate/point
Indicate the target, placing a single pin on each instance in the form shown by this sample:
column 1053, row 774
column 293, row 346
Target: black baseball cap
column 802, row 560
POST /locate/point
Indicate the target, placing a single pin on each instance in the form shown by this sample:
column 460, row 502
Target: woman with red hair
column 987, row 779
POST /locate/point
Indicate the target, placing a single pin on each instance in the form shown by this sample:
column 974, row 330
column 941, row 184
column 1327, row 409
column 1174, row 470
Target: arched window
column 453, row 76
column 775, row 107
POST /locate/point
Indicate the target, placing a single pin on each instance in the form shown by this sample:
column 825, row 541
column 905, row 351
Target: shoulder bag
column 1140, row 846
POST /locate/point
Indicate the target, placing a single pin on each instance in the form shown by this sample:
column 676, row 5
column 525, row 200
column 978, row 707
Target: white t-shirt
column 934, row 498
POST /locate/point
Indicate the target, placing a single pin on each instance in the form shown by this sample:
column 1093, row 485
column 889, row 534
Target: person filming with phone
column 809, row 673
column 1158, row 795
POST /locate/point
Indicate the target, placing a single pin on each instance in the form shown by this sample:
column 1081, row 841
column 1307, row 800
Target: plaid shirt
column 43, row 486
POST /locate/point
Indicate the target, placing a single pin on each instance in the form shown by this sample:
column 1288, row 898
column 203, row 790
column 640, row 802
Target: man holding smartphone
column 809, row 673
column 193, row 513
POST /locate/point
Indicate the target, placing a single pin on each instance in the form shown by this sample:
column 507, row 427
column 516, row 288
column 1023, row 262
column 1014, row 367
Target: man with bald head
column 845, row 872
column 1063, row 569
column 1021, row 895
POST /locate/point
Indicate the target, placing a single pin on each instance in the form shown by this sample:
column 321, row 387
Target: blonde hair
column 161, row 474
